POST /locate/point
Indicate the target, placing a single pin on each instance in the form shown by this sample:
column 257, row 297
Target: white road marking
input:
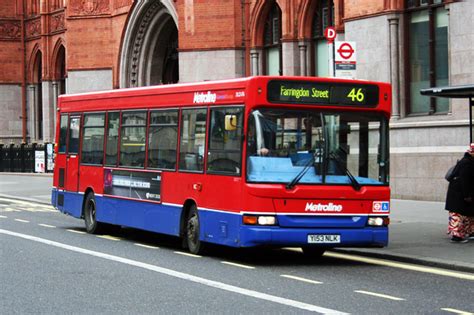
column 385, row 296
column 11, row 210
column 20, row 220
column 301, row 279
column 109, row 237
column 31, row 204
column 237, row 265
column 146, row 246
column 453, row 310
column 412, row 267
column 3, row 217
column 181, row 275
column 46, row 225
column 188, row 254
column 76, row 231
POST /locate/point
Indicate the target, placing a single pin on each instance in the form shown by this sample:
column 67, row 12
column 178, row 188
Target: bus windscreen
column 304, row 92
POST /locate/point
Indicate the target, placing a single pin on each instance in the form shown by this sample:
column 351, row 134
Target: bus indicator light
column 259, row 220
column 249, row 219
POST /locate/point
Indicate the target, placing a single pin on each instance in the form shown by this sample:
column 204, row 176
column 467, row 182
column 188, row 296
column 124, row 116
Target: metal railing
column 27, row 158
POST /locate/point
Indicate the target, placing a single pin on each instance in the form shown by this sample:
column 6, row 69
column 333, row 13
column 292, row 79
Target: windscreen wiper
column 309, row 163
column 302, row 172
column 341, row 166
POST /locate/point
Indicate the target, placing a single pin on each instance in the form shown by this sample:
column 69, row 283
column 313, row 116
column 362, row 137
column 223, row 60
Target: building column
column 395, row 66
column 55, row 96
column 56, row 85
column 31, row 101
column 290, row 55
column 255, row 62
column 303, row 58
column 48, row 111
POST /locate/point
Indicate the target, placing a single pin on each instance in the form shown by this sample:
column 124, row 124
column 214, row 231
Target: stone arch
column 149, row 45
column 36, row 57
column 305, row 19
column 58, row 66
column 35, row 94
column 257, row 21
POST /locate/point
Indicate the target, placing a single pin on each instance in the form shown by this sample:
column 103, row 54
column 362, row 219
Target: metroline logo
column 330, row 207
column 208, row 97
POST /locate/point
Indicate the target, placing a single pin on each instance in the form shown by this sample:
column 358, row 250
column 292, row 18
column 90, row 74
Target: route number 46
column 356, row 95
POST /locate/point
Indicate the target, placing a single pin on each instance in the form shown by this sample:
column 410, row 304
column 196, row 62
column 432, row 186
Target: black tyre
column 313, row 252
column 192, row 235
column 92, row 226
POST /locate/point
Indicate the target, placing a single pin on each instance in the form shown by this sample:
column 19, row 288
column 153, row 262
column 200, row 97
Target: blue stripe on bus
column 221, row 227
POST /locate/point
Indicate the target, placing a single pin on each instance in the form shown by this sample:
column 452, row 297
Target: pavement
column 417, row 228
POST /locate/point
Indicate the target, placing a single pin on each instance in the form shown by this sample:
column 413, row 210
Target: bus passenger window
column 93, row 139
column 225, row 146
column 193, row 140
column 163, row 139
column 113, row 122
column 73, row 141
column 62, row 134
column 133, row 139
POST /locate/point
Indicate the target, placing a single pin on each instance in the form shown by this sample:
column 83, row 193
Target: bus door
column 72, row 155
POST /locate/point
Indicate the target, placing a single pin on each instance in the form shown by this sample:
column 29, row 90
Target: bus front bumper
column 298, row 237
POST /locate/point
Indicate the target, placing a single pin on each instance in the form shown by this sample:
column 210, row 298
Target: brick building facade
column 50, row 47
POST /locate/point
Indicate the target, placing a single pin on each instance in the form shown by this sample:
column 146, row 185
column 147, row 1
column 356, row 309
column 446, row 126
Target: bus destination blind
column 303, row 92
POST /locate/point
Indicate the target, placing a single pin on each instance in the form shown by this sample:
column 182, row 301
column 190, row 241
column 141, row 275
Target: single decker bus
column 273, row 161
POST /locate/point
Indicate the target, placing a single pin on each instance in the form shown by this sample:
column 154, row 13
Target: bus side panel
column 220, row 227
column 72, row 203
column 91, row 177
column 149, row 216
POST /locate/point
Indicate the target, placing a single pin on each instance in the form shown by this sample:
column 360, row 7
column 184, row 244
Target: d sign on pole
column 330, row 35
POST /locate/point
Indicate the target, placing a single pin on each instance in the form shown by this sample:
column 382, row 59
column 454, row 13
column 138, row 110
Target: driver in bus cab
column 252, row 143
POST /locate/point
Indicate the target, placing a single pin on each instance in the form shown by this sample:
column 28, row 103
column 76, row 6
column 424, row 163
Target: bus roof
column 232, row 91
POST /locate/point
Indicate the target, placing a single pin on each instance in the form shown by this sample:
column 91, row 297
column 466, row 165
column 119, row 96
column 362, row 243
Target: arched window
column 323, row 17
column 150, row 46
column 61, row 70
column 272, row 42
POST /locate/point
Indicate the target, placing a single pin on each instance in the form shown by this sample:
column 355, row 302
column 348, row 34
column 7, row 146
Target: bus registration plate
column 324, row 239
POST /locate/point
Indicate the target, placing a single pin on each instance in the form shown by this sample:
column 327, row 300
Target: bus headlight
column 259, row 220
column 378, row 221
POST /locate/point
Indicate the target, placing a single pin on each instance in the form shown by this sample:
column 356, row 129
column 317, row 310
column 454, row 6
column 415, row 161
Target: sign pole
column 331, row 59
column 330, row 34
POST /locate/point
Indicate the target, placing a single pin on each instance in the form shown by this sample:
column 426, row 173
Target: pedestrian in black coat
column 460, row 199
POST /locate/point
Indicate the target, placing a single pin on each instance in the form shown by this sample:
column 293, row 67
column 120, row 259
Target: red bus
column 277, row 161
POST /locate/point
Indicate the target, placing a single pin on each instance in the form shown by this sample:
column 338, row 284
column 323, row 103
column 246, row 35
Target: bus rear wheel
column 92, row 226
column 192, row 235
column 313, row 252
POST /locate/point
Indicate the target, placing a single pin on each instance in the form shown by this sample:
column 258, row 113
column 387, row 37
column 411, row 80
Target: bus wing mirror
column 230, row 122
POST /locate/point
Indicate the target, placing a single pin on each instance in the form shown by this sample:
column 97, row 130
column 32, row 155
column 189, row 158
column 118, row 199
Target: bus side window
column 163, row 139
column 62, row 134
column 133, row 139
column 225, row 144
column 93, row 139
column 73, row 141
column 111, row 149
column 193, row 139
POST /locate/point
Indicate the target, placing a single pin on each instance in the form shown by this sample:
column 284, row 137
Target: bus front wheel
column 192, row 235
column 92, row 226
